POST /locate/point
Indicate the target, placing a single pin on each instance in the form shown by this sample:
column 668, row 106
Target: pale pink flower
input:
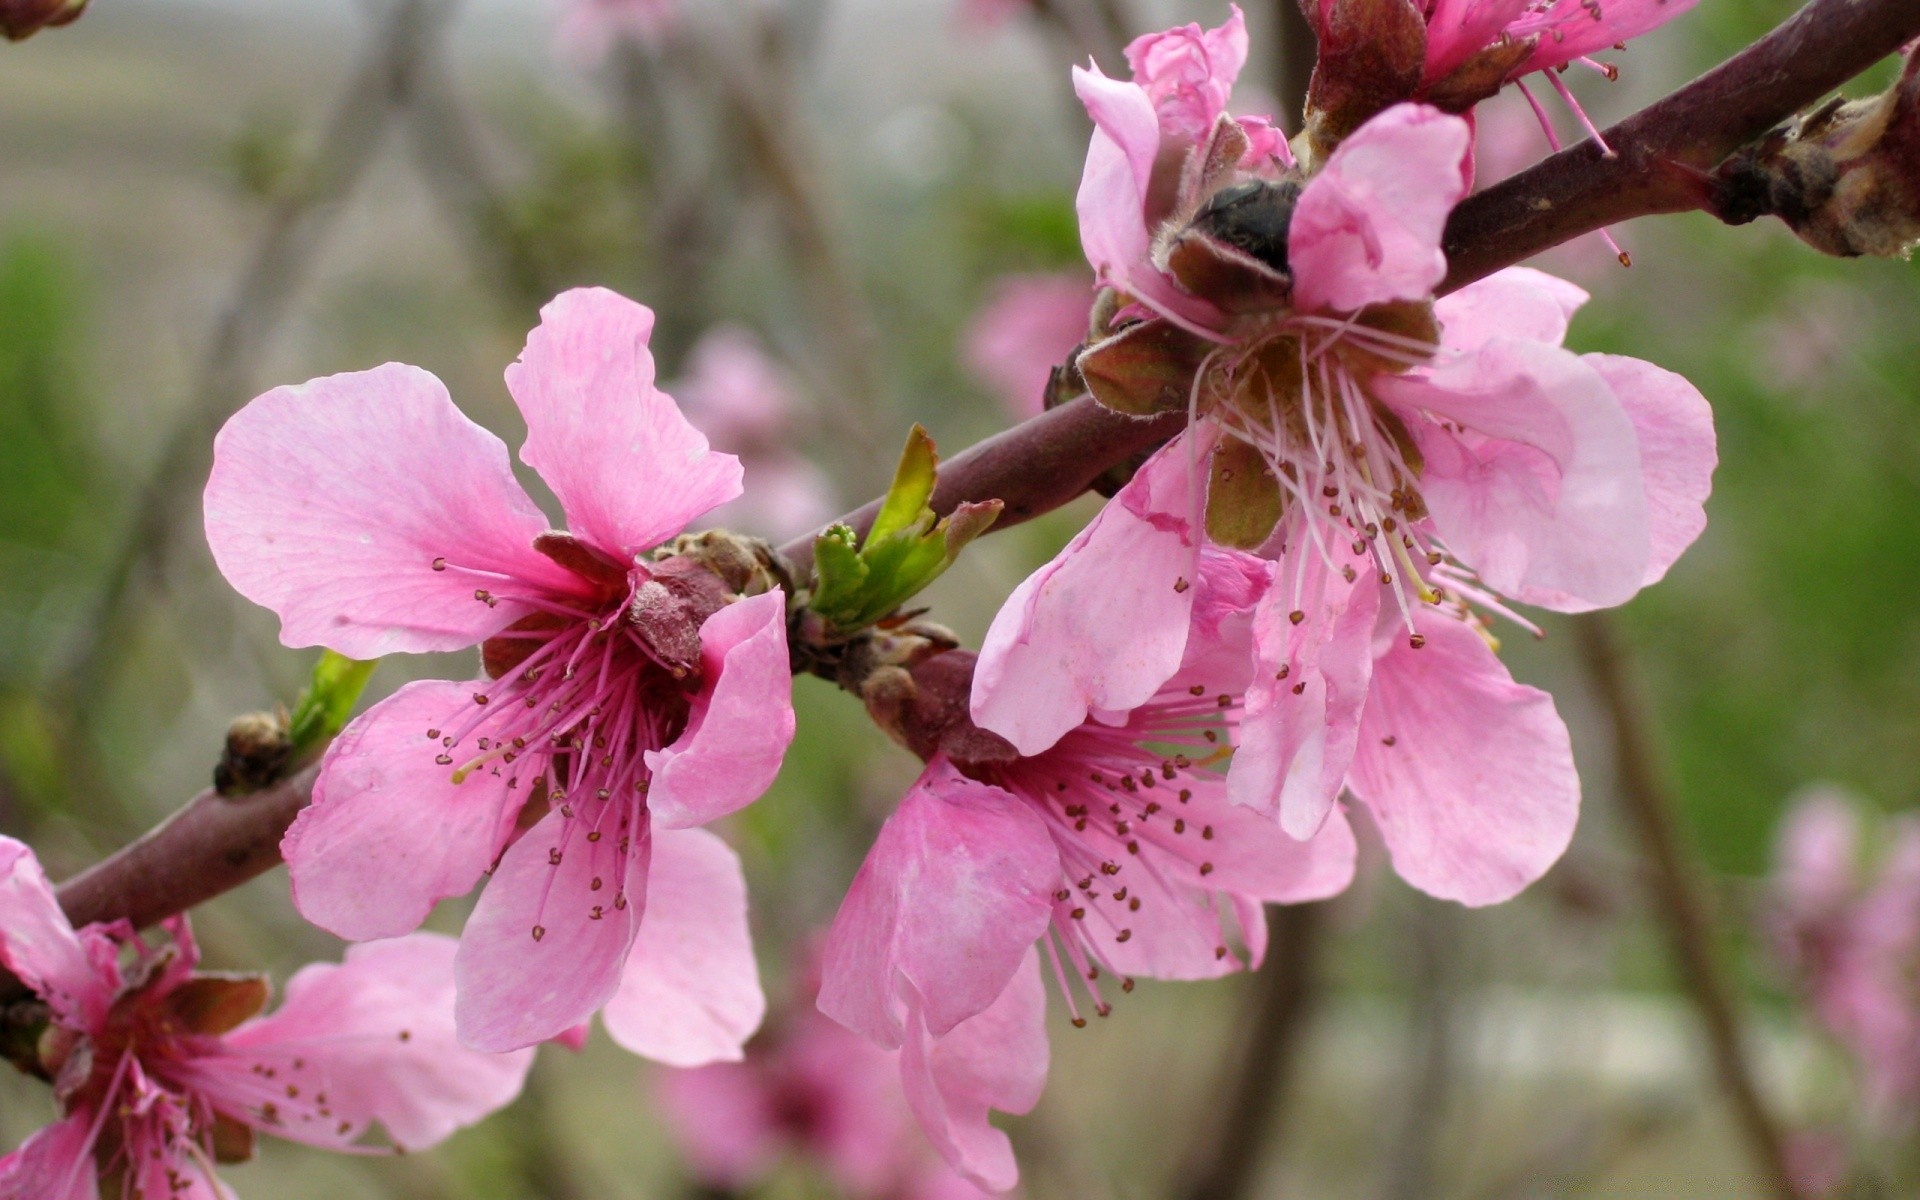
column 747, row 405
column 589, row 29
column 1028, row 326
column 1115, row 848
column 627, row 696
column 1188, row 72
column 1418, row 457
column 157, row 1068
column 812, row 1089
column 1850, row 933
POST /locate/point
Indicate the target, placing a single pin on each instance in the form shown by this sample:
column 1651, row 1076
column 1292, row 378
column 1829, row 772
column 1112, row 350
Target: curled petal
column 38, row 943
column 366, row 511
column 546, row 945
column 1468, row 774
column 1188, row 72
column 1543, row 489
column 1571, row 30
column 1104, row 624
column 389, row 833
column 375, row 1035
column 629, row 469
column 996, row 1059
column 1367, row 228
column 955, row 890
column 742, row 719
column 690, row 993
column 56, row 1163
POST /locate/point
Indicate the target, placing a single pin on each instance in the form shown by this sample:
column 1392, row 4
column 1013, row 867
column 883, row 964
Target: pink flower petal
column 690, row 992
column 630, row 471
column 545, row 946
column 1104, row 624
column 1367, row 228
column 330, row 503
column 724, row 1119
column 1518, row 302
column 1302, row 715
column 1468, row 774
column 995, row 1060
column 389, row 834
column 376, row 1033
column 1544, row 490
column 742, row 720
column 1188, row 72
column 955, row 890
column 1571, row 30
column 56, row 1163
column 1674, row 425
column 1816, row 856
column 38, row 944
column 1459, row 29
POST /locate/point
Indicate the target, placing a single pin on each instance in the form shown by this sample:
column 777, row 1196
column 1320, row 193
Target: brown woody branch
column 214, row 844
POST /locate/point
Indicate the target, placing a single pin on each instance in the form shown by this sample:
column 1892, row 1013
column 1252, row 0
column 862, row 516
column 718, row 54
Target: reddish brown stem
column 1663, row 151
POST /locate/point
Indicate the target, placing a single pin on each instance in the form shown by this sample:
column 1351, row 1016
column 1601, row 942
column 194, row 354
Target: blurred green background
column 851, row 202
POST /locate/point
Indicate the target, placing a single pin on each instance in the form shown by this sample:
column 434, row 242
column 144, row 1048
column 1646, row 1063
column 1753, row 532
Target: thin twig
column 297, row 225
column 1259, row 1071
column 1673, row 885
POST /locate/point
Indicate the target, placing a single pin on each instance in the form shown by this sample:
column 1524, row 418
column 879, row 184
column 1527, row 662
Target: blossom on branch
column 1406, row 464
column 633, row 686
column 1114, row 848
column 161, row 1071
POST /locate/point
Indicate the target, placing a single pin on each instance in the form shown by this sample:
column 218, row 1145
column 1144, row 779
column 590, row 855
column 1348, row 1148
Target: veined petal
column 389, row 834
column 374, row 1036
column 1189, row 72
column 1544, row 488
column 38, row 943
column 741, row 723
column 366, row 511
column 1112, row 201
column 1367, row 228
column 1468, row 774
column 629, row 469
column 955, row 890
column 690, row 992
column 1674, row 425
column 995, row 1060
column 1518, row 302
column 545, row 946
column 1104, row 624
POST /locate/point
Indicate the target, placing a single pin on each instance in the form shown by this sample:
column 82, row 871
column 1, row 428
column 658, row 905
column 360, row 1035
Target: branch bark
column 1674, row 888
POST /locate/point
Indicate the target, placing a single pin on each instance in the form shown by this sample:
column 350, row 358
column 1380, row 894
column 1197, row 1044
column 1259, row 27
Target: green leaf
column 905, row 505
column 323, row 708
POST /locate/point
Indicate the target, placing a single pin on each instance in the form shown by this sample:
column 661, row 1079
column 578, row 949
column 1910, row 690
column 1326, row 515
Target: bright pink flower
column 746, row 404
column 627, row 694
column 153, row 1065
column 812, row 1088
column 1027, row 327
column 1851, row 936
column 1422, row 457
column 1115, row 848
column 591, row 28
column 1554, row 32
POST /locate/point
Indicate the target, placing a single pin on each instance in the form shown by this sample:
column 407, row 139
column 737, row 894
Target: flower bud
column 1845, row 178
column 257, row 752
column 21, row 19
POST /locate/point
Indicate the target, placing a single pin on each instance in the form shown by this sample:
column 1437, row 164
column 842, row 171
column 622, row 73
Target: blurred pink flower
column 1850, row 933
column 814, row 1089
column 746, row 403
column 157, row 1069
column 1115, row 848
column 1420, row 458
column 628, row 695
column 591, row 28
column 1027, row 327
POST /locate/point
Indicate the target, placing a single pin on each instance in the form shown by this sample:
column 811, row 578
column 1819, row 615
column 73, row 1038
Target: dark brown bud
column 926, row 707
column 1845, row 178
column 257, row 752
column 1372, row 53
column 23, row 18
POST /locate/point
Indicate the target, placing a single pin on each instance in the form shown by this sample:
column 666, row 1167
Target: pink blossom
column 746, row 404
column 1027, row 327
column 812, row 1088
column 1850, row 934
column 1421, row 460
column 1555, row 33
column 157, row 1069
column 628, row 693
column 589, row 29
column 1188, row 72
column 1115, row 848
